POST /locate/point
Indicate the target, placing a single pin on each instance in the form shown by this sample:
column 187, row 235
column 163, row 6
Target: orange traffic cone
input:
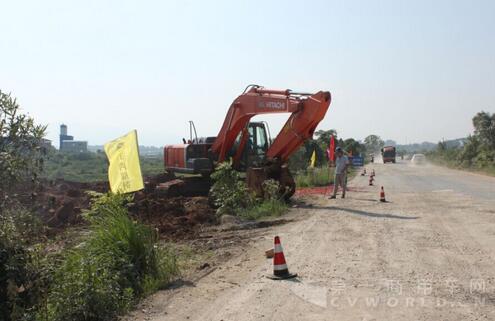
column 382, row 195
column 280, row 270
column 371, row 181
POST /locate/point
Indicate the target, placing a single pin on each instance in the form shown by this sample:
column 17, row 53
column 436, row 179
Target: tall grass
column 104, row 276
column 272, row 207
column 272, row 203
column 317, row 176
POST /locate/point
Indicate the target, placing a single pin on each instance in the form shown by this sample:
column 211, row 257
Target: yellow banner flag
column 124, row 171
column 313, row 159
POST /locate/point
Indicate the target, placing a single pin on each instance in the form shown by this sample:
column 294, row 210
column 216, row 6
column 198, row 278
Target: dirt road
column 427, row 254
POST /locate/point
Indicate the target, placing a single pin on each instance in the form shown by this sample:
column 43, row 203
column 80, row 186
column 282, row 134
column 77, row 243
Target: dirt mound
column 60, row 204
column 173, row 216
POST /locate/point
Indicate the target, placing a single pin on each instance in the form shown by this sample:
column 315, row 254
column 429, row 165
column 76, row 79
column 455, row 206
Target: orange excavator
column 248, row 144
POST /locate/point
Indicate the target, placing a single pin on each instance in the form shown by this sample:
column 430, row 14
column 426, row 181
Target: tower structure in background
column 68, row 144
column 64, row 136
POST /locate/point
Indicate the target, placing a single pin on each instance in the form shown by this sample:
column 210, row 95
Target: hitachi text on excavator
column 249, row 144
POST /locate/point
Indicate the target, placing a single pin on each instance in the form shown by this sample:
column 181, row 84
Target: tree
column 323, row 137
column 469, row 151
column 21, row 152
column 484, row 128
column 351, row 145
column 301, row 158
column 442, row 146
column 373, row 143
column 20, row 163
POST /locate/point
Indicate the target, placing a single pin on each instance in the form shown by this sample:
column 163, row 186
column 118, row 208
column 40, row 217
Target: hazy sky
column 405, row 70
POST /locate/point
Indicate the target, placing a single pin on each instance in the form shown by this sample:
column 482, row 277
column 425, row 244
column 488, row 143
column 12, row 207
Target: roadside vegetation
column 232, row 197
column 317, row 176
column 89, row 167
column 300, row 160
column 21, row 158
column 322, row 174
column 116, row 262
column 119, row 262
column 477, row 153
column 109, row 267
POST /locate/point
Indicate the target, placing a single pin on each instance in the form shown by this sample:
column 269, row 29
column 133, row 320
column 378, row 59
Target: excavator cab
column 255, row 147
column 193, row 156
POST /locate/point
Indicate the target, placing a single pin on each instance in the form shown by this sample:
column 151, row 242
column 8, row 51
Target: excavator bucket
column 255, row 176
column 287, row 182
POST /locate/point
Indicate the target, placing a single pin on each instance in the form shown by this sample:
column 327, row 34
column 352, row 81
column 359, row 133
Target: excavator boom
column 307, row 110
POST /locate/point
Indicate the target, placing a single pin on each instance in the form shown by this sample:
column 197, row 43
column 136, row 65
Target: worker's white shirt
column 340, row 163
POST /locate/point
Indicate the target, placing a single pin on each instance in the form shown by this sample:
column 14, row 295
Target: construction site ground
column 60, row 205
column 428, row 253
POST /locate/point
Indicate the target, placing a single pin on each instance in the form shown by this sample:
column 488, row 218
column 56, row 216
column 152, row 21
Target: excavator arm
column 307, row 110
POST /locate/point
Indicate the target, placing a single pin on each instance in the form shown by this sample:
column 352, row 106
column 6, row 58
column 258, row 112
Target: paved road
column 427, row 254
column 429, row 178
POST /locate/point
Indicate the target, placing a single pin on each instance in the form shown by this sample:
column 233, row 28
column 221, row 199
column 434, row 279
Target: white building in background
column 68, row 144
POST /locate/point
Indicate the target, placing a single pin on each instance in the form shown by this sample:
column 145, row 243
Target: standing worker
column 341, row 163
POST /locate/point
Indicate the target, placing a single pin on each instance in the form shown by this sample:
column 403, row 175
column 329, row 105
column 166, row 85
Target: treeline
column 300, row 160
column 478, row 150
column 322, row 174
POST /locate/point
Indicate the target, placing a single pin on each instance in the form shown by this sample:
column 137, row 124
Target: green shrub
column 22, row 278
column 21, row 151
column 88, row 287
column 229, row 191
column 119, row 262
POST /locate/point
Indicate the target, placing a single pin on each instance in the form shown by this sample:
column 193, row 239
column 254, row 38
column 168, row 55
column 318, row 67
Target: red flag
column 331, row 149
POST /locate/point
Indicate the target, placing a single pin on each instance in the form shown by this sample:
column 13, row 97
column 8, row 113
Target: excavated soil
column 174, row 217
column 60, row 204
